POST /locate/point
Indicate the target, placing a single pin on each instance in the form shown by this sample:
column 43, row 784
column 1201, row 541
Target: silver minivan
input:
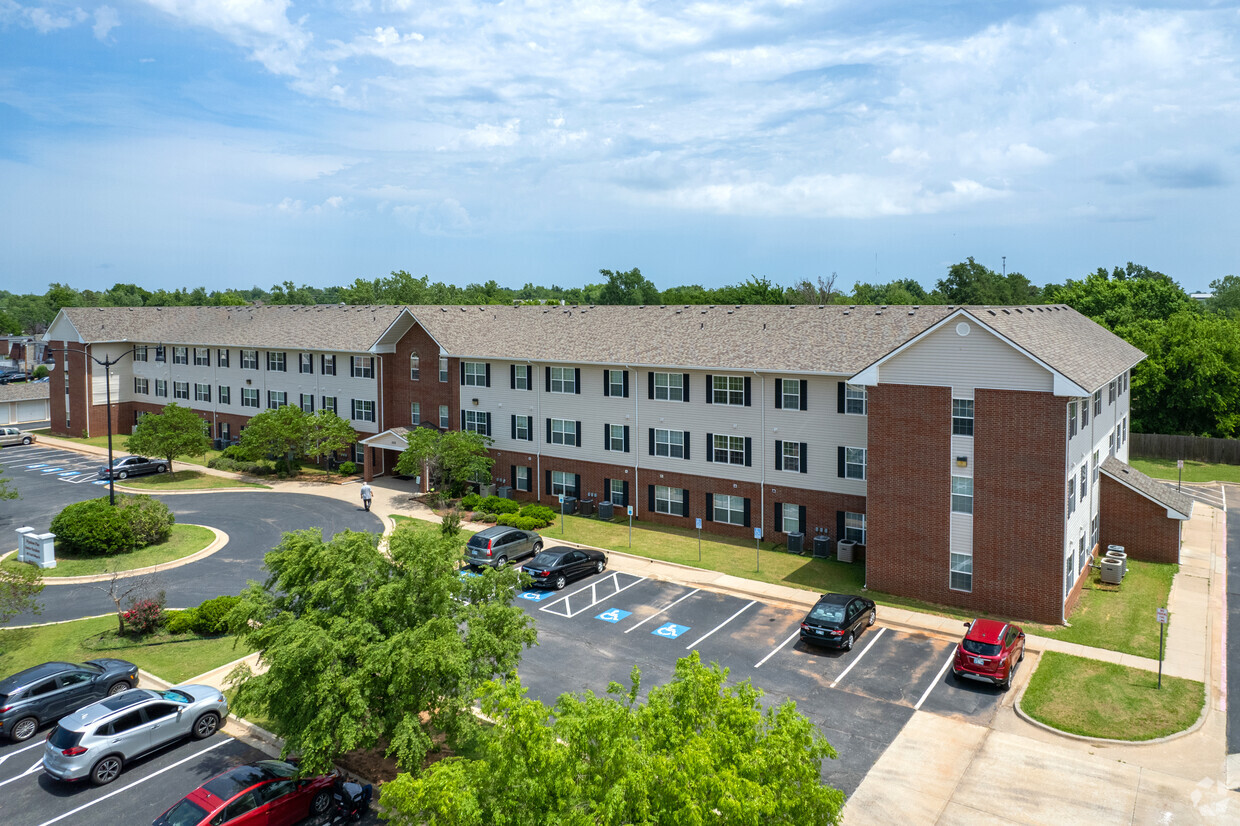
column 15, row 436
column 97, row 741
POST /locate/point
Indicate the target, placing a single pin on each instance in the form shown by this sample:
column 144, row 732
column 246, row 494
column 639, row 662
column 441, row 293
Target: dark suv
column 496, row 547
column 45, row 693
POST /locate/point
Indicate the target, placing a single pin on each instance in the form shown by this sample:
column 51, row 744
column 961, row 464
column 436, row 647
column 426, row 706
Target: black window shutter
column 839, row 525
column 710, row 383
column 529, row 428
column 548, row 431
column 804, row 458
column 578, row 434
column 576, row 485
column 462, row 420
column 746, row 512
column 801, row 518
column 462, row 374
column 652, row 441
column 649, row 498
column 626, row 438
column 512, row 476
column 624, row 494
column 323, row 367
column 748, row 387
column 839, row 395
column 512, row 376
column 606, row 491
column 710, row 507
column 606, row 383
column 710, row 443
column 650, row 382
column 684, row 384
column 840, row 469
column 779, row 457
column 748, row 451
column 577, row 380
column 529, row 377
column 488, row 374
column 687, row 439
column 626, row 384
column 804, row 394
column 548, row 387
column 779, row 396
column 606, row 437
column 684, row 502
column 514, row 426
column 779, row 517
column 488, row 419
column 548, row 491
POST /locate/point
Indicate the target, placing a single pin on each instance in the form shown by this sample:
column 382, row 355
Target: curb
column 221, row 539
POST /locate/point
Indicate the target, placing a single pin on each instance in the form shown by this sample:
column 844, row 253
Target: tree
column 698, row 751
column 177, row 431
column 1226, row 300
column 1123, row 296
column 806, row 292
column 364, row 648
column 451, row 459
column 899, row 292
column 121, row 587
column 627, row 288
column 328, row 433
column 280, row 432
column 971, row 283
column 18, row 588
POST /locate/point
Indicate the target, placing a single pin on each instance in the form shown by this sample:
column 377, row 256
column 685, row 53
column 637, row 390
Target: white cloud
column 106, row 19
column 487, row 135
column 260, row 26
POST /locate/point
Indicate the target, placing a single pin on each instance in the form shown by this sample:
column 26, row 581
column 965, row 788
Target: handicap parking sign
column 535, row 596
column 613, row 615
column 670, row 630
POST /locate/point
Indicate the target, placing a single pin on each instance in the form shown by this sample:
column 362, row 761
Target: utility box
column 586, row 507
column 605, row 509
column 570, row 505
column 1121, row 556
column 844, row 550
column 1112, row 571
column 504, row 492
column 486, row 490
column 796, row 542
column 822, row 545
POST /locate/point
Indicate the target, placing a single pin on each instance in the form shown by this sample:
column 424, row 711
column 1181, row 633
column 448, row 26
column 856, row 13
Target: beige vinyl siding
column 822, row 428
column 961, row 534
column 980, row 359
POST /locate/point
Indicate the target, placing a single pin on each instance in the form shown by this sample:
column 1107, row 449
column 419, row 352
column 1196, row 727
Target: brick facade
column 1141, row 526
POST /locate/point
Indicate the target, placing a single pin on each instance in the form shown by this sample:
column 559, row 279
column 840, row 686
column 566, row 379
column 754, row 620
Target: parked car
column 837, row 620
column 990, row 652
column 13, row 376
column 556, row 566
column 97, row 741
column 14, row 436
column 45, row 693
column 496, row 547
column 267, row 792
column 127, row 466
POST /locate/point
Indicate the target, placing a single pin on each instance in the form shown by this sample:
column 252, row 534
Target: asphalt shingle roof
column 24, row 391
column 1160, row 492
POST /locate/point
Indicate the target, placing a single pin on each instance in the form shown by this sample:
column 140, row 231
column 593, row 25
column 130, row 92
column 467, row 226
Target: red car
column 266, row 792
column 990, row 652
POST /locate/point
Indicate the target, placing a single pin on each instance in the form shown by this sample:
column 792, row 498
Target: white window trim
column 673, row 381
column 848, row 464
column 962, row 496
column 567, row 381
column 851, row 392
column 795, row 456
column 729, row 511
column 727, row 390
column 669, row 446
column 671, row 503
column 561, row 428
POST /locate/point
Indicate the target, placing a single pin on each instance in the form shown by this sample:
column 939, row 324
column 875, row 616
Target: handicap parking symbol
column 670, row 630
column 535, row 596
column 613, row 615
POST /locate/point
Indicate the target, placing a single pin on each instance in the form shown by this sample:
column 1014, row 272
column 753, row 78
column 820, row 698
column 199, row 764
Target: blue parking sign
column 535, row 596
column 670, row 630
column 613, row 615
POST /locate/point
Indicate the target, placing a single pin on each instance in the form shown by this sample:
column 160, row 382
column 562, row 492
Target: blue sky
column 230, row 143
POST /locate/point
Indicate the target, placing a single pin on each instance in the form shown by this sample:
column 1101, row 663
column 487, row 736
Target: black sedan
column 127, row 466
column 45, row 693
column 837, row 620
column 554, row 567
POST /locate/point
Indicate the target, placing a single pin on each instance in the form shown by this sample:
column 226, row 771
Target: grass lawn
column 185, row 480
column 1193, row 471
column 1099, row 699
column 184, row 541
column 175, row 658
column 1119, row 620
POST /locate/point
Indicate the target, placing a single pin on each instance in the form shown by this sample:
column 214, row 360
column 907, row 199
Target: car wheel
column 1006, row 682
column 1021, row 658
column 26, row 440
column 560, row 582
column 106, row 770
column 501, row 562
column 124, row 474
column 873, row 618
column 24, row 729
column 599, row 566
column 206, row 725
column 161, row 468
column 848, row 641
column 117, row 687
column 320, row 804
column 537, row 547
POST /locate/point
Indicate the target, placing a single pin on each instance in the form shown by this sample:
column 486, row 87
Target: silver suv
column 496, row 547
column 15, row 436
column 99, row 740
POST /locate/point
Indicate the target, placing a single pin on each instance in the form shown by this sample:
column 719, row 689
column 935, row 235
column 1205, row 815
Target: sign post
column 1179, row 472
column 757, row 549
column 699, row 530
column 630, row 527
column 1162, row 627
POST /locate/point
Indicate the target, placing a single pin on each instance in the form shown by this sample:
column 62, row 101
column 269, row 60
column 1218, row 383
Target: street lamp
column 107, row 365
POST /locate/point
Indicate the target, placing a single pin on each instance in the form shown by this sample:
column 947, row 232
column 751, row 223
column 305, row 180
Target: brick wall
column 1141, row 526
column 75, row 363
column 399, row 391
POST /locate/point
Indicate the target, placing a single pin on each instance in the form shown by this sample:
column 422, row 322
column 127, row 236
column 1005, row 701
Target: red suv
column 990, row 652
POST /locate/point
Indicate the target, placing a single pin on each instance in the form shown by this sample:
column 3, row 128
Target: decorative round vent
column 962, row 329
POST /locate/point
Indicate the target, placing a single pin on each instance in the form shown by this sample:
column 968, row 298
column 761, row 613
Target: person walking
column 367, row 495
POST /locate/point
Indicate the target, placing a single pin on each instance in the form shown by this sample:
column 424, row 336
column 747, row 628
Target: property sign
column 630, row 510
column 1162, row 615
column 757, row 533
column 1179, row 463
column 699, row 523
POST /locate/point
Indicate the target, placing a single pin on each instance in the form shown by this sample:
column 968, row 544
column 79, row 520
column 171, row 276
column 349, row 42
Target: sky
column 233, row 143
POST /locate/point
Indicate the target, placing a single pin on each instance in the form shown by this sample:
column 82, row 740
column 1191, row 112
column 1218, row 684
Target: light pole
column 107, row 365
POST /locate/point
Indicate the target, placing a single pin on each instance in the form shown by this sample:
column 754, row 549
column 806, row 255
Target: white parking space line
column 38, row 765
column 795, row 634
column 937, row 678
column 137, row 782
column 720, row 625
column 864, row 651
column 19, row 751
column 595, row 599
column 661, row 610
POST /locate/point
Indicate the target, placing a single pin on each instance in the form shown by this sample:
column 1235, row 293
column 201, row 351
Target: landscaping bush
column 451, row 524
column 239, row 466
column 93, row 528
column 144, row 616
column 490, row 517
column 234, row 453
column 470, row 501
column 180, row 622
column 540, row 512
column 150, row 519
column 478, row 516
column 525, row 523
column 496, row 504
column 210, row 618
column 348, row 468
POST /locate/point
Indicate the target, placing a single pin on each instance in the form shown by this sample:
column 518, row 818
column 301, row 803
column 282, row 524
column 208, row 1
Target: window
column 443, row 369
column 1093, row 541
column 961, row 575
column 727, row 390
column 615, row 492
column 276, row 362
column 362, row 367
column 791, row 518
column 962, row 494
column 1097, row 402
column 854, row 463
column 522, row 428
column 669, row 387
column 1071, row 495
column 141, row 386
column 415, row 368
column 161, row 388
column 788, row 394
column 520, row 376
column 670, row 443
column 249, row 359
column 962, row 417
column 1084, row 483
column 522, row 480
column 1071, row 419
column 359, row 453
column 563, row 483
column 202, row 356
column 363, row 410
column 476, row 421
column 1081, row 558
column 730, row 450
column 1111, row 443
column 616, row 440
column 1123, row 430
column 180, row 355
column 669, row 500
column 563, row 380
column 1111, row 393
column 221, row 358
column 729, row 510
column 180, row 390
column 202, row 392
column 276, row 399
column 789, row 456
column 1095, row 466
column 305, row 362
column 139, row 352
column 249, row 397
column 855, row 400
column 327, row 365
column 443, row 417
column 1124, row 382
column 329, row 403
column 415, row 413
column 161, row 353
column 563, row 432
column 617, row 384
column 307, row 402
column 854, row 527
column 225, row 394
column 1084, row 413
column 474, row 374
column 1067, row 570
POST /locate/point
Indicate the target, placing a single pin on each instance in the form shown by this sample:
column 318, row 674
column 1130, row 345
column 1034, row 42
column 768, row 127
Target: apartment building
column 961, row 446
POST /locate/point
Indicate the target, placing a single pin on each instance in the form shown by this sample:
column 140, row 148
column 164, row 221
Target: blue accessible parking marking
column 670, row 630
column 614, row 615
column 100, row 482
column 32, row 467
column 536, row 596
column 51, row 469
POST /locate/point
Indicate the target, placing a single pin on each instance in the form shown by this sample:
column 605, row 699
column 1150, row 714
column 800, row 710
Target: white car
column 14, row 436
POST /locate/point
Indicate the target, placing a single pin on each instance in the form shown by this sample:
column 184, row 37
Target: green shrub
column 93, row 528
column 211, row 617
column 491, row 517
column 348, row 468
column 234, row 452
column 478, row 516
column 180, row 622
column 496, row 504
column 540, row 512
column 150, row 519
column 469, row 501
column 451, row 524
column 41, row 372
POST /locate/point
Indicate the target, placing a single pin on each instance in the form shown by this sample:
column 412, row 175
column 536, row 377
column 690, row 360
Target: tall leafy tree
column 364, row 648
column 19, row 588
column 327, row 434
column 1226, row 298
column 176, row 431
column 972, row 283
column 450, row 459
column 280, row 432
column 627, row 288
column 1123, row 296
column 697, row 751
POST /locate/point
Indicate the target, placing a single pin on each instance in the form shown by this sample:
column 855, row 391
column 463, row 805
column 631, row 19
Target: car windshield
column 828, row 613
column 982, row 649
column 546, row 560
column 185, row 813
column 476, row 541
column 176, row 696
column 276, row 768
column 63, row 738
column 92, row 667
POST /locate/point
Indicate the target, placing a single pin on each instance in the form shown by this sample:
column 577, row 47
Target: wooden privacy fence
column 1197, row 448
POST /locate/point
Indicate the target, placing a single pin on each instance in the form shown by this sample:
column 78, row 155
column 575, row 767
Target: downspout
column 537, row 423
column 1063, row 530
column 636, row 440
column 762, row 493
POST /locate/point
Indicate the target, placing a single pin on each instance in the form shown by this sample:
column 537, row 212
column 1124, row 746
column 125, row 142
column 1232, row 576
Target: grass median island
column 1118, row 619
column 185, row 540
column 1194, row 472
column 175, row 657
column 1101, row 699
column 185, row 480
